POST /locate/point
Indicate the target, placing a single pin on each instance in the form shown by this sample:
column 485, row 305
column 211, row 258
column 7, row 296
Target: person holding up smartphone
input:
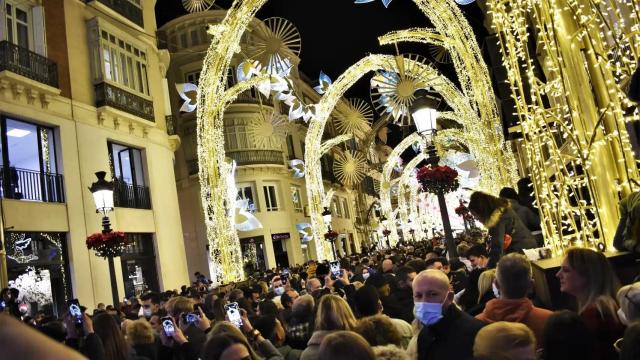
column 173, row 340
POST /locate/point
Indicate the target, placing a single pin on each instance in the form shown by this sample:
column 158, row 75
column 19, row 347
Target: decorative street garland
column 438, row 179
column 108, row 244
column 331, row 235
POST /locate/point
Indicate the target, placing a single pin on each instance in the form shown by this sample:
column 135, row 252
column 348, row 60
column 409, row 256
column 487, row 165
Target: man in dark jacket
column 448, row 333
column 404, row 294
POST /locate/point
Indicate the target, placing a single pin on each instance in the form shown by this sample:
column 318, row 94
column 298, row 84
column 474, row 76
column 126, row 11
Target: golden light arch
column 214, row 171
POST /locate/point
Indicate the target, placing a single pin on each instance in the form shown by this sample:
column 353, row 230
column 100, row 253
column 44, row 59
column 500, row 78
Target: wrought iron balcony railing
column 257, row 157
column 171, row 125
column 125, row 8
column 109, row 95
column 131, row 196
column 21, row 184
column 25, row 62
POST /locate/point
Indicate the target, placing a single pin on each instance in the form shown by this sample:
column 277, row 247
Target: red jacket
column 517, row 310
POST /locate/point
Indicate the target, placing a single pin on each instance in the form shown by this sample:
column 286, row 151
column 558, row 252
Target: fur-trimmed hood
column 496, row 215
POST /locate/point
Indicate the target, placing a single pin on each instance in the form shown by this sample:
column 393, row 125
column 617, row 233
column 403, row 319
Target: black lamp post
column 386, row 231
column 326, row 218
column 425, row 115
column 102, row 191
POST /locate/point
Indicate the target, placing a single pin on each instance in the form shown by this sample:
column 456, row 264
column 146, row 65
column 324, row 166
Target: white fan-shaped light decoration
column 350, row 167
column 392, row 91
column 268, row 131
column 356, row 119
column 194, row 6
column 277, row 41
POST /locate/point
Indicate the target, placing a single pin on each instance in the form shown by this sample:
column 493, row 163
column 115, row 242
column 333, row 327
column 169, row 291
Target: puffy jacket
column 516, row 310
column 505, row 221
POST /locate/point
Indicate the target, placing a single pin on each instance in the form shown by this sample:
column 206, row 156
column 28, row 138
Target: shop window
column 139, row 265
column 37, row 265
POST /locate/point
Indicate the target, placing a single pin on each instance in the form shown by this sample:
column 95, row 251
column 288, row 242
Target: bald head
column 432, row 286
column 387, row 265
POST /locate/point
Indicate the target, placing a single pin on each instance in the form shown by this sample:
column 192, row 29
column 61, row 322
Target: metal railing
column 109, row 95
column 22, row 184
column 253, row 96
column 257, row 157
column 125, row 8
column 171, row 125
column 131, row 196
column 25, row 62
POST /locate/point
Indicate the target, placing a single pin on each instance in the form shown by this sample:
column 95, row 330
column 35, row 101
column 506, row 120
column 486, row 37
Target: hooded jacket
column 505, row 221
column 517, row 310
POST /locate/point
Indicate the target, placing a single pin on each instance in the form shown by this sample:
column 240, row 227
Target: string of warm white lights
column 573, row 116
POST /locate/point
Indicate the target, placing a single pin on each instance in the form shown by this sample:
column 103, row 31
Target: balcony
column 113, row 96
column 26, row 63
column 22, row 184
column 257, row 157
column 131, row 196
column 253, row 96
column 125, row 8
column 171, row 125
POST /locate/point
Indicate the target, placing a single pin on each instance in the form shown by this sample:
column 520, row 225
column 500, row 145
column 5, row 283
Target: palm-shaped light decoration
column 392, row 92
column 268, row 131
column 356, row 119
column 277, row 42
column 350, row 167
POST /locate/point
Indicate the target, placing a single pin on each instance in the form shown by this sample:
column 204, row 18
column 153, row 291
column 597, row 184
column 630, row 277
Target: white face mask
column 279, row 290
column 496, row 291
column 623, row 317
column 365, row 276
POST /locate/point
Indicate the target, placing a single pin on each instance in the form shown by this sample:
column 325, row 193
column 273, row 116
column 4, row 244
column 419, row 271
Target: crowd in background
column 410, row 302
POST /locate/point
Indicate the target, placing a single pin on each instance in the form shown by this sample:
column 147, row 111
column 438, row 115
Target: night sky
column 337, row 33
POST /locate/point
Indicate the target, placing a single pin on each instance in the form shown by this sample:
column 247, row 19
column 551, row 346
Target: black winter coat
column 450, row 338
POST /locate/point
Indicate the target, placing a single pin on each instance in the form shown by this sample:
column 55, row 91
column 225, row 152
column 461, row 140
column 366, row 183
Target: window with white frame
column 192, row 77
column 296, row 197
column 345, row 208
column 337, row 209
column 119, row 60
column 235, row 134
column 245, row 192
column 18, row 24
column 270, row 197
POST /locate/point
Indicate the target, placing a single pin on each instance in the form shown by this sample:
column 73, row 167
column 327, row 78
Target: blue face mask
column 428, row 313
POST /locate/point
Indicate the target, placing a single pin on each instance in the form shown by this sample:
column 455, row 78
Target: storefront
column 139, row 265
column 37, row 265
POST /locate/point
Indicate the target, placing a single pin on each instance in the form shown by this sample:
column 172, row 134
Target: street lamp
column 385, row 231
column 102, row 191
column 326, row 217
column 425, row 116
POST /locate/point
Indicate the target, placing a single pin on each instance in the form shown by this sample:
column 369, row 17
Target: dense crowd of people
column 410, row 302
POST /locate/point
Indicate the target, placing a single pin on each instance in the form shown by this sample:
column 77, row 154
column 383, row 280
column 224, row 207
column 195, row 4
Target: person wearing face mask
column 150, row 304
column 512, row 284
column 447, row 332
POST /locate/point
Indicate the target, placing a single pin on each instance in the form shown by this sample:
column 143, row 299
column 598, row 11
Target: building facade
column 83, row 89
column 262, row 142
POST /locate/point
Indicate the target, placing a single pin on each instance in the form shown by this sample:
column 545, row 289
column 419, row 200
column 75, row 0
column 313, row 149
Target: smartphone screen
column 75, row 311
column 335, row 268
column 168, row 326
column 284, row 277
column 233, row 313
column 3, row 305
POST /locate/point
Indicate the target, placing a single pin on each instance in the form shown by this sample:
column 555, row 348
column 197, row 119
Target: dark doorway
column 253, row 254
column 139, row 265
column 280, row 249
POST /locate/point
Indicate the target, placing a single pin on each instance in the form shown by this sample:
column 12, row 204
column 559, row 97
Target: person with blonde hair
column 629, row 300
column 334, row 314
column 504, row 340
column 390, row 352
column 345, row 345
column 141, row 338
column 485, row 291
column 587, row 275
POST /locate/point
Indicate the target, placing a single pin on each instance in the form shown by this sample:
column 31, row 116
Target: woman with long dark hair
column 115, row 346
column 507, row 233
